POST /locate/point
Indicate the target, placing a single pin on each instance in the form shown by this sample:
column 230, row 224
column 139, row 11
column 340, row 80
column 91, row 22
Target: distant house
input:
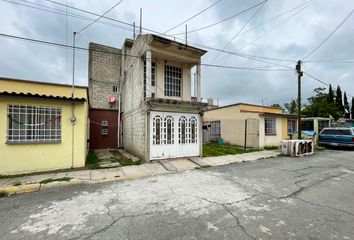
column 161, row 118
column 315, row 124
column 42, row 126
column 254, row 125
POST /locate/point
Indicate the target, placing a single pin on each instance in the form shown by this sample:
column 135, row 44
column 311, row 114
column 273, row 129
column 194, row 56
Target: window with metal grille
column 291, row 126
column 194, row 129
column 156, row 129
column 173, row 79
column 168, row 130
column 31, row 124
column 214, row 130
column 114, row 88
column 153, row 77
column 269, row 126
column 183, row 130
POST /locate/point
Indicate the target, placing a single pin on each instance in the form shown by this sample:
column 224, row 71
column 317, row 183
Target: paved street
column 277, row 198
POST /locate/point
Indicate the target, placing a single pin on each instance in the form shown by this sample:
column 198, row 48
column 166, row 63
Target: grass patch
column 49, row 180
column 128, row 162
column 319, row 149
column 271, row 147
column 212, row 150
column 92, row 160
column 17, row 183
column 3, row 194
column 205, row 166
column 12, row 176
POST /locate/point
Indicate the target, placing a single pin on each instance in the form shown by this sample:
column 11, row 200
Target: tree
column 318, row 105
column 291, row 107
column 330, row 98
column 352, row 110
column 339, row 101
column 346, row 106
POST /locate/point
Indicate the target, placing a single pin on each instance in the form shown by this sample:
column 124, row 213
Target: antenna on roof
column 133, row 30
column 186, row 34
column 141, row 21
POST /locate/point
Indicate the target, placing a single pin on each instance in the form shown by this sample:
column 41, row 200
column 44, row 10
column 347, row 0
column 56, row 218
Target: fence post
column 245, row 134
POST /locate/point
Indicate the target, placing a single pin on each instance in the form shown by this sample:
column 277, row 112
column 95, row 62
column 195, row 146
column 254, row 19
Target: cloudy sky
column 291, row 36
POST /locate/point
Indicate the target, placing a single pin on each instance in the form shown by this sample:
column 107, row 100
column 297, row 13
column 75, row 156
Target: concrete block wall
column 135, row 121
column 104, row 73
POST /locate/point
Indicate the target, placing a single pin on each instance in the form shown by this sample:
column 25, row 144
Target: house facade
column 248, row 124
column 161, row 118
column 43, row 126
column 104, row 71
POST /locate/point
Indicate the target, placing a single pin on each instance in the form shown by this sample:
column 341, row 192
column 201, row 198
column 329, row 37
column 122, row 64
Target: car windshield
column 337, row 132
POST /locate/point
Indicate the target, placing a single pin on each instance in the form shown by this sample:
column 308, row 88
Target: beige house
column 247, row 124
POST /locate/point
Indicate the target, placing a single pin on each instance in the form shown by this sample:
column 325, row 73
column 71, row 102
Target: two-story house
column 161, row 118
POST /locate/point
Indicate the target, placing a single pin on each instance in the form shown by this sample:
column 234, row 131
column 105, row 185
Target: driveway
column 278, row 198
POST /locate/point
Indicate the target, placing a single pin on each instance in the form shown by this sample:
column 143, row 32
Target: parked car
column 337, row 136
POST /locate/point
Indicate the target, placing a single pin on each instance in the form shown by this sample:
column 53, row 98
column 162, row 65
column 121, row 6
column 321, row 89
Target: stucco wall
column 186, row 80
column 25, row 158
column 233, row 132
column 270, row 140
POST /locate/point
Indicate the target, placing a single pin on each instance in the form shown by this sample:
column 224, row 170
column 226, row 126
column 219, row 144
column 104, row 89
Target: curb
column 36, row 187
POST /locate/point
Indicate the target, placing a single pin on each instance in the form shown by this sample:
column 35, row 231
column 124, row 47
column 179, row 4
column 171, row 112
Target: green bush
column 3, row 194
column 92, row 160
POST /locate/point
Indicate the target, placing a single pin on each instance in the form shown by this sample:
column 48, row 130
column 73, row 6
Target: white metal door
column 173, row 135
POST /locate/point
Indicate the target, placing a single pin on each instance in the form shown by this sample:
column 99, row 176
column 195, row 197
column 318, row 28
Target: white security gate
column 173, row 135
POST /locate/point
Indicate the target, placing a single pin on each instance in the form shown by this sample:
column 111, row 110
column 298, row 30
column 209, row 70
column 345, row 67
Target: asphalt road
column 280, row 198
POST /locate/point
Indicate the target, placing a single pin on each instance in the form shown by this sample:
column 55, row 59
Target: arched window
column 169, row 130
column 182, row 130
column 193, row 123
column 156, row 129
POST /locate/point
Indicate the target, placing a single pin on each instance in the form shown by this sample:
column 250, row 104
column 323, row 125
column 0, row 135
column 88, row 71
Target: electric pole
column 299, row 75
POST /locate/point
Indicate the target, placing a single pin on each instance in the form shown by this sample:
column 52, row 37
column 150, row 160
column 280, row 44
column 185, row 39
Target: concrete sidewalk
column 35, row 182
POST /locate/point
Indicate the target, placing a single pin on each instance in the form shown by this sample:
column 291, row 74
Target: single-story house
column 254, row 125
column 43, row 126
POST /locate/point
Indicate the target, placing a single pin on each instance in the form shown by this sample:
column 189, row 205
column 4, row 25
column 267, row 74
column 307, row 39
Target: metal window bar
column 33, row 123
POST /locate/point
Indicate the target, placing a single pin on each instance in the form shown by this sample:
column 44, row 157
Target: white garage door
column 173, row 135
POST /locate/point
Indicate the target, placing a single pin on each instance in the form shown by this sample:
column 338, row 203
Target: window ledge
column 34, row 142
column 270, row 134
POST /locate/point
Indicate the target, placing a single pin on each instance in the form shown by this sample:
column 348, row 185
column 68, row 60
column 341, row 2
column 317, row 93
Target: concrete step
column 166, row 164
column 199, row 161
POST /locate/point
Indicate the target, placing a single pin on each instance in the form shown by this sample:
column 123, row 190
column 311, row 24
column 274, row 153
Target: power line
column 276, row 17
column 244, row 68
column 330, row 35
column 63, row 13
column 166, row 35
column 251, row 57
column 275, row 27
column 331, row 60
column 224, row 20
column 197, row 14
column 315, row 78
column 128, row 55
column 101, row 16
column 105, row 17
column 238, row 32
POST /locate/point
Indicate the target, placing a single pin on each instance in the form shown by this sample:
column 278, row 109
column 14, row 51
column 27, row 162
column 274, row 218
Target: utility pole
column 299, row 75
